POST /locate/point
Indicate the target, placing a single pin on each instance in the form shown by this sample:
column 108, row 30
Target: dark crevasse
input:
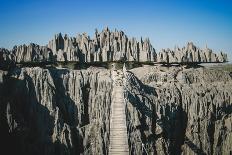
column 55, row 111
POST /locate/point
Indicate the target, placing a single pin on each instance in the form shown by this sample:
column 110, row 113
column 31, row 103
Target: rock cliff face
column 190, row 53
column 5, row 55
column 31, row 53
column 55, row 111
column 5, row 58
column 24, row 53
column 178, row 111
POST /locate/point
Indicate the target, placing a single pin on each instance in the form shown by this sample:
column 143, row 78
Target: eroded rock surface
column 105, row 46
column 55, row 111
column 31, row 53
column 177, row 110
column 169, row 110
column 191, row 54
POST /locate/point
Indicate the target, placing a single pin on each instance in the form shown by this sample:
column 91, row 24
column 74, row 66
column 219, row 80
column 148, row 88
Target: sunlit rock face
column 31, row 53
column 106, row 46
column 176, row 110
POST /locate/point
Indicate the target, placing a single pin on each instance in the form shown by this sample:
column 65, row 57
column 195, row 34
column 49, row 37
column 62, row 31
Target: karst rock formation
column 155, row 108
column 190, row 53
column 106, row 46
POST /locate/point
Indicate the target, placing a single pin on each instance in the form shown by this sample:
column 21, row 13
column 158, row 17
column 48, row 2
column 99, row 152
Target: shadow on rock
column 194, row 147
column 26, row 125
column 69, row 111
column 172, row 122
column 138, row 94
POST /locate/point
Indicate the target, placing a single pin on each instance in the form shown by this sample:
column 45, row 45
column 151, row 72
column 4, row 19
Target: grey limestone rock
column 31, row 53
column 108, row 46
column 191, row 54
column 179, row 111
column 170, row 110
column 104, row 46
column 5, row 55
column 50, row 111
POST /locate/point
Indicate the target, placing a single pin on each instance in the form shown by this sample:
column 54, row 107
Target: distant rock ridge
column 26, row 53
column 106, row 46
column 190, row 53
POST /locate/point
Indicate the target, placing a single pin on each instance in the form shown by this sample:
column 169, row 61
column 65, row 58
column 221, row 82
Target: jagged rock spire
column 190, row 53
column 110, row 46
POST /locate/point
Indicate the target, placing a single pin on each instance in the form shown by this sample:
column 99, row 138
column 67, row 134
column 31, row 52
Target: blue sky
column 166, row 22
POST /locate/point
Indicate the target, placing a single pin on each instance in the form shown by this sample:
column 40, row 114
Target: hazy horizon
column 166, row 23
